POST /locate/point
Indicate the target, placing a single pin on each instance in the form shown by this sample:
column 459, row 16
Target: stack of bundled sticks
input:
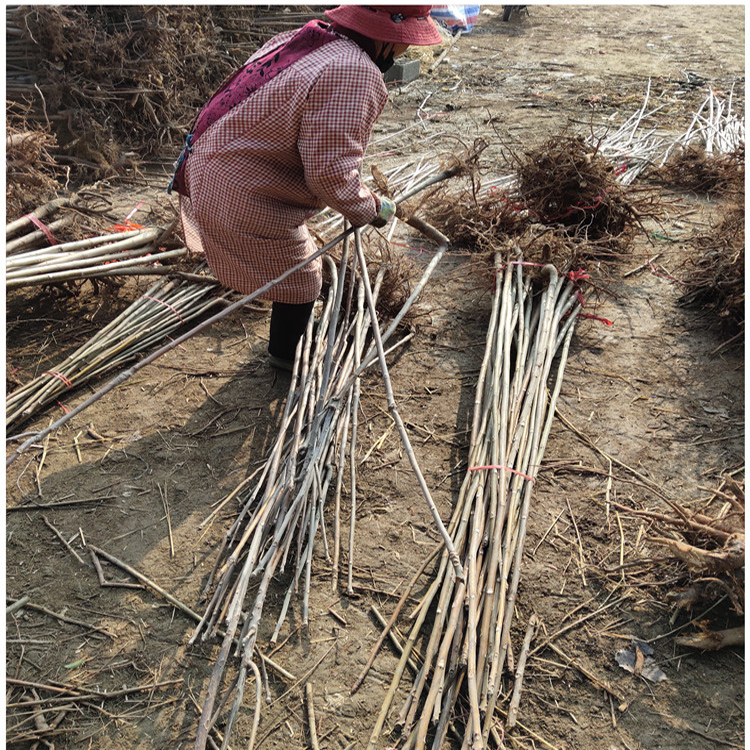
column 466, row 619
column 715, row 127
column 710, row 155
column 165, row 307
column 629, row 148
column 122, row 252
column 281, row 512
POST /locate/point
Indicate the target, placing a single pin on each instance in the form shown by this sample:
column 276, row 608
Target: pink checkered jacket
column 290, row 149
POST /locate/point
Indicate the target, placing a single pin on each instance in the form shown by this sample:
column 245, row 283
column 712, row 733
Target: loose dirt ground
column 649, row 392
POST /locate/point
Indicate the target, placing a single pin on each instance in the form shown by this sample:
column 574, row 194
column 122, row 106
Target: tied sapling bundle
column 467, row 623
column 165, row 307
column 710, row 155
column 714, row 126
column 283, row 513
column 631, row 151
column 97, row 257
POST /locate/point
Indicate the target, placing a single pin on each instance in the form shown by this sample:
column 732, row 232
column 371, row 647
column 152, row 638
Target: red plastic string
column 664, row 275
column 576, row 277
column 597, row 202
column 515, row 206
column 62, row 406
column 179, row 346
column 419, row 250
column 166, row 304
column 579, row 275
column 60, row 377
column 507, row 468
column 34, row 220
column 126, row 226
column 134, row 211
column 519, row 207
column 596, row 317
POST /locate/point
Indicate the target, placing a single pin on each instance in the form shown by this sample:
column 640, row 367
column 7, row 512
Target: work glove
column 386, row 213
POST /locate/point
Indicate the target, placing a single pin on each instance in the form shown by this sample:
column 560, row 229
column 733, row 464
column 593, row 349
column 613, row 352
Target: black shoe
column 287, row 325
column 281, row 364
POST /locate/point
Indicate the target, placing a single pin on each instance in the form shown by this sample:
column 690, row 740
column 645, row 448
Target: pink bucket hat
column 398, row 24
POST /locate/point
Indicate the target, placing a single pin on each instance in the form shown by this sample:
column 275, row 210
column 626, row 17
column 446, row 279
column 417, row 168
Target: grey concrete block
column 403, row 71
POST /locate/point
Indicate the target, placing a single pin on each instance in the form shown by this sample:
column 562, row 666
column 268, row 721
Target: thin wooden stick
column 65, row 618
column 581, row 561
column 146, row 581
column 311, row 717
column 82, row 696
column 256, row 715
column 599, row 683
column 453, row 555
column 16, row 605
column 63, row 540
column 394, row 616
column 521, row 666
column 168, row 516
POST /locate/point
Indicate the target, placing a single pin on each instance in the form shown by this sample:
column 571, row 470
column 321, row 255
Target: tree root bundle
column 31, row 171
column 480, row 219
column 716, row 277
column 466, row 623
column 691, row 168
column 566, row 182
column 566, row 188
column 694, row 558
column 709, row 546
column 120, row 83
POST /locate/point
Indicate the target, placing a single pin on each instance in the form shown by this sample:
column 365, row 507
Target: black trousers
column 288, row 323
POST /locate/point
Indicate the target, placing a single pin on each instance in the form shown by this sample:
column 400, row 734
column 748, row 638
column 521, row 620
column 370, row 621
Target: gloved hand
column 386, row 213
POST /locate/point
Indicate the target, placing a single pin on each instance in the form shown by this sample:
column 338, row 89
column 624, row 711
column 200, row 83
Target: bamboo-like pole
column 287, row 509
column 513, row 411
column 17, row 244
column 453, row 555
column 83, row 269
column 166, row 306
column 39, row 213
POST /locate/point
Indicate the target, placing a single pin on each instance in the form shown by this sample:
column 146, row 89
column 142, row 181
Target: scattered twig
column 311, row 716
column 63, row 540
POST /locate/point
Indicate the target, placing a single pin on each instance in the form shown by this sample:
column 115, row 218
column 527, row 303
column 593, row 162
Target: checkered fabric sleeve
column 340, row 113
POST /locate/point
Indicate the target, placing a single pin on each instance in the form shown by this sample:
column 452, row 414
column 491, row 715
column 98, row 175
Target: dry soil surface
column 650, row 392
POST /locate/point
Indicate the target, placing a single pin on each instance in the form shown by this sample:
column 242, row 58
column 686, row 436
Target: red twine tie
column 126, row 226
column 39, row 224
column 596, row 317
column 133, row 212
column 166, row 304
column 575, row 277
column 418, row 250
column 507, row 468
column 60, row 377
column 665, row 275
